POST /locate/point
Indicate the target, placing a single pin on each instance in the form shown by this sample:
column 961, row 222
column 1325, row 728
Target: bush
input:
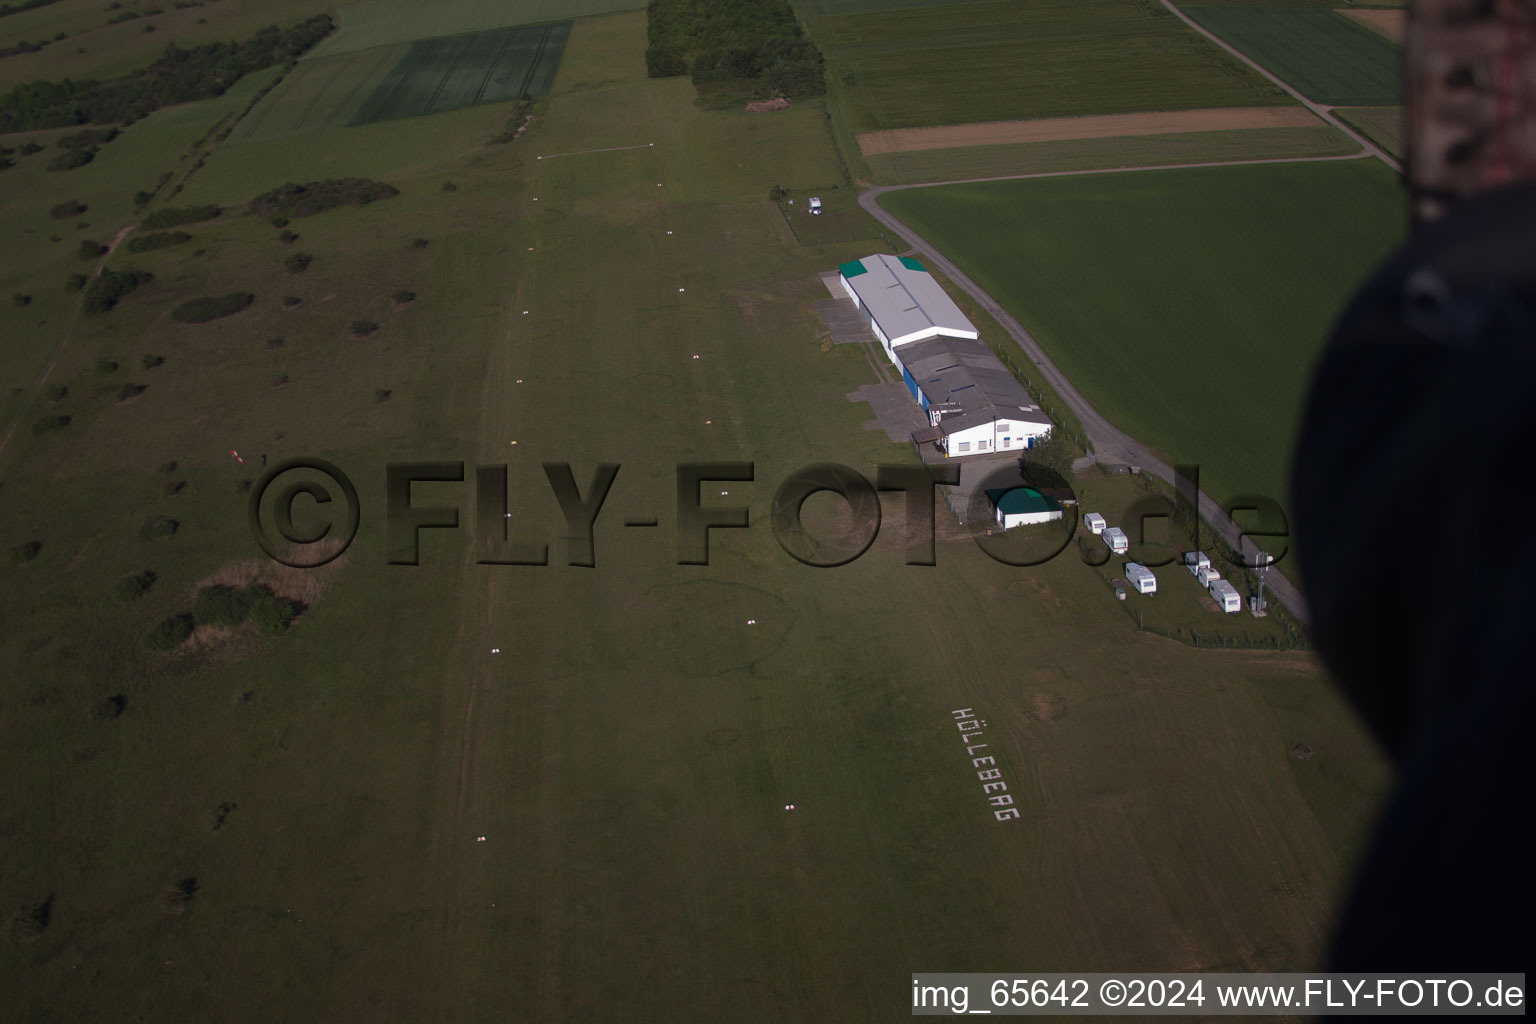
column 382, row 395
column 172, row 488
column 128, row 392
column 279, row 380
column 364, row 327
column 402, row 296
column 297, row 263
column 108, row 287
column 136, row 586
column 70, row 159
column 87, row 139
column 143, row 199
column 291, row 200
column 200, row 311
column 288, row 236
column 275, row 343
column 57, row 393
column 49, row 425
column 157, row 527
column 167, row 467
column 67, row 209
column 289, row 301
column 90, row 249
column 75, row 282
column 150, row 362
column 273, row 614
column 23, row 553
column 449, row 186
column 21, row 300
column 28, row 148
column 111, row 707
column 170, row 633
column 157, row 240
column 223, row 606
column 175, row 216
column 32, row 921
column 105, row 367
column 420, row 243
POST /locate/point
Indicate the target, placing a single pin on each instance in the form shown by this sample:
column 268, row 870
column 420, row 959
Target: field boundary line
column 584, row 152
column 1324, row 112
column 1110, row 443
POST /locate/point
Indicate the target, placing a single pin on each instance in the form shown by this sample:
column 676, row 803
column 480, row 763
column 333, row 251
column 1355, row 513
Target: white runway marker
column 511, row 442
column 479, row 839
column 669, row 232
column 495, row 650
column 525, row 312
column 680, row 289
column 519, row 380
column 751, row 622
column 695, row 357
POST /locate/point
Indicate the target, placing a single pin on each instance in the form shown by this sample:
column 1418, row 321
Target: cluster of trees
column 716, row 40
column 23, row 5
column 179, row 76
column 157, row 240
column 107, row 288
column 22, row 46
column 220, row 605
column 211, row 307
column 175, row 216
column 291, row 200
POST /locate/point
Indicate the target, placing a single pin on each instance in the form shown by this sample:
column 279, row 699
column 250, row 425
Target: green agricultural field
column 1324, row 55
column 430, row 76
column 457, row 790
column 383, row 22
column 831, row 8
column 927, row 165
column 1382, row 125
column 113, row 50
column 1187, row 306
column 1056, row 58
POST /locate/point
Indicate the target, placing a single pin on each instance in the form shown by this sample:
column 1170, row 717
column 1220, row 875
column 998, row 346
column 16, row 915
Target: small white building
column 1140, row 577
column 1094, row 522
column 1116, row 539
column 1022, row 506
column 1226, row 596
column 1207, row 577
column 1194, row 561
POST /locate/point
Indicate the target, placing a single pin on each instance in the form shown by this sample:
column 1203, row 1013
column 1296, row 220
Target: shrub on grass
column 173, row 216
column 157, row 240
column 28, row 148
column 170, row 633
column 275, row 343
column 449, row 186
column 108, row 287
column 67, row 210
column 288, row 236
column 362, row 328
column 150, row 362
column 289, row 301
column 87, row 139
column 200, row 311
column 273, row 614
column 167, row 467
column 279, row 380
column 292, row 200
column 142, row 199
column 31, row 921
column 75, row 282
column 57, row 392
column 382, row 395
column 23, row 553
column 49, row 425
column 219, row 814
column 156, row 527
column 111, row 707
column 105, row 367
column 178, row 898
column 90, row 249
column 223, row 606
column 171, row 488
column 420, row 243
column 21, row 300
column 137, row 585
column 128, row 392
column 297, row 263
column 403, row 296
column 70, row 159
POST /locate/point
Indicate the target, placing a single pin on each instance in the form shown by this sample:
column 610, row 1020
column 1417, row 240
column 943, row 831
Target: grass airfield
column 628, row 754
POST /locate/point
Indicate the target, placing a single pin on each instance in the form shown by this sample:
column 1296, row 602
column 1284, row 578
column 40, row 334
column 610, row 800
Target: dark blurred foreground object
column 1471, row 99
column 1412, row 495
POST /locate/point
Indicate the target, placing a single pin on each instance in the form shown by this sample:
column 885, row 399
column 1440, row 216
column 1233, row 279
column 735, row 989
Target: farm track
column 1110, row 444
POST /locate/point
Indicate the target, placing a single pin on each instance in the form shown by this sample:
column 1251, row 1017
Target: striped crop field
column 429, row 76
column 1326, row 56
